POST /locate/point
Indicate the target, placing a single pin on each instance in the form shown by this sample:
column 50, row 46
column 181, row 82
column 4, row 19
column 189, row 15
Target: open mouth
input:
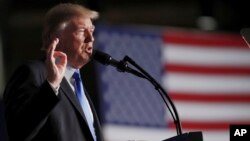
column 89, row 50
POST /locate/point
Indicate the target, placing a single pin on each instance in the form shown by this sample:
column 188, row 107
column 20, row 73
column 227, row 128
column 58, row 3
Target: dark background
column 21, row 20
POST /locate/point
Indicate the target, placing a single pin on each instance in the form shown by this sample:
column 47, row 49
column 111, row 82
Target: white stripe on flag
column 210, row 112
column 205, row 56
column 128, row 133
column 206, row 83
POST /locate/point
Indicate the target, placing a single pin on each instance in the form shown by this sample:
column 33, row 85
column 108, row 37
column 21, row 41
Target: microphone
column 104, row 58
column 121, row 66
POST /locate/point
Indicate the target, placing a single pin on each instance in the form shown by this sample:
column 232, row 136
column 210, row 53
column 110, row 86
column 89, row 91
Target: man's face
column 76, row 40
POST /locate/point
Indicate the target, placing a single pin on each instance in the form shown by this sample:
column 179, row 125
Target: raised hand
column 56, row 62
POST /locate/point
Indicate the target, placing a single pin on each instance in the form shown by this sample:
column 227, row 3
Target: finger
column 64, row 59
column 51, row 48
column 53, row 44
column 61, row 57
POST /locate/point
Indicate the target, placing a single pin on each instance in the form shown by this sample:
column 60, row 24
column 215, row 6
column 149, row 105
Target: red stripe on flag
column 207, row 69
column 210, row 97
column 219, row 125
column 205, row 39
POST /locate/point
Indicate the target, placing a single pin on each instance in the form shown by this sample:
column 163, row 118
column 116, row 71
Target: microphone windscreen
column 101, row 57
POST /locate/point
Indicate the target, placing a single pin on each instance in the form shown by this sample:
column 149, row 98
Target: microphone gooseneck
column 122, row 66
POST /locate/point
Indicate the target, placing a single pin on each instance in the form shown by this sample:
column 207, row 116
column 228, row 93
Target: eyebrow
column 85, row 27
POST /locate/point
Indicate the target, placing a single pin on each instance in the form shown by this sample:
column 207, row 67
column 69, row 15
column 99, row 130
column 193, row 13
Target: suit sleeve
column 29, row 99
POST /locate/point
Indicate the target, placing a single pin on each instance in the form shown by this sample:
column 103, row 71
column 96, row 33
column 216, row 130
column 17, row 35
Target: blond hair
column 59, row 16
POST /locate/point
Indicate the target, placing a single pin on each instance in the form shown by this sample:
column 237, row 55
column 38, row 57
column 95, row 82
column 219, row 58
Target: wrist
column 55, row 85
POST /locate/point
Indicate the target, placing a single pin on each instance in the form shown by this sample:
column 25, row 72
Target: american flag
column 207, row 75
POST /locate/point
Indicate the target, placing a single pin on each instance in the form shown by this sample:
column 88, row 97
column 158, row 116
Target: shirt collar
column 69, row 72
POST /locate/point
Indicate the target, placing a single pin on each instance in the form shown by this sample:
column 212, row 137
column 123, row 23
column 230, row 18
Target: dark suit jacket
column 35, row 113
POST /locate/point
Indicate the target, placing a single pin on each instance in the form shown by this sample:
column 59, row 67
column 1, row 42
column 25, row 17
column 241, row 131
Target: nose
column 89, row 36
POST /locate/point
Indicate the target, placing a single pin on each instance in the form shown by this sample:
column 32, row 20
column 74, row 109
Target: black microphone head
column 102, row 57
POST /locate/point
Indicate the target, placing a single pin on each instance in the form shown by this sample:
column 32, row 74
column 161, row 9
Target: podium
column 190, row 136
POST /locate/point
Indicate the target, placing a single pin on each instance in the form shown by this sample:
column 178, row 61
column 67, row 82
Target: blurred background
column 193, row 48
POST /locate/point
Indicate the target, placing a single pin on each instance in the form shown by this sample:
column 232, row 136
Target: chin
column 84, row 62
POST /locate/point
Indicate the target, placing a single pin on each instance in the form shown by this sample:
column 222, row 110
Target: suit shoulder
column 37, row 64
column 32, row 68
column 30, row 72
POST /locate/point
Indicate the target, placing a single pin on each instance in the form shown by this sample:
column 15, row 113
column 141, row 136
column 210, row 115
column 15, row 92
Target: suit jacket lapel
column 72, row 97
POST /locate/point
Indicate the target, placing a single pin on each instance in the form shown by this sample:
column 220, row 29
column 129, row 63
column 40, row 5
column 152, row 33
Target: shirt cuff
column 56, row 90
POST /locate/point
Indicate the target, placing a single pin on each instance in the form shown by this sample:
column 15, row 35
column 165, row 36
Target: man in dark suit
column 41, row 98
